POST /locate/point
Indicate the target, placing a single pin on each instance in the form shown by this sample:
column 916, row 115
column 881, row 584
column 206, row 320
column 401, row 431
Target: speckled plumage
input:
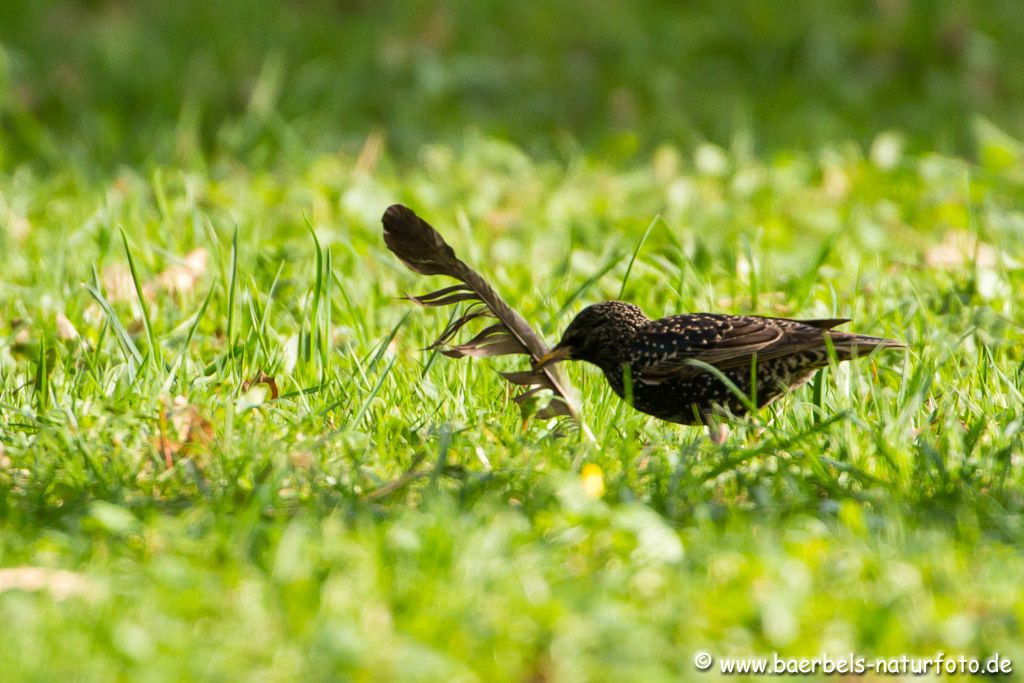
column 658, row 356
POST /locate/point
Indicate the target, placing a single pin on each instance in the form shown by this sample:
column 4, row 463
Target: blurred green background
column 109, row 79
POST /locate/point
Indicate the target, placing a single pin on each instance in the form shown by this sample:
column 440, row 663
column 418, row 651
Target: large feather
column 422, row 249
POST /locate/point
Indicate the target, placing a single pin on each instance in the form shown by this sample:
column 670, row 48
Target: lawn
column 225, row 454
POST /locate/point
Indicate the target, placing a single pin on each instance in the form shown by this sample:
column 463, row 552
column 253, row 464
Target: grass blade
column 188, row 338
column 154, row 352
column 232, row 284
column 632, row 259
column 131, row 352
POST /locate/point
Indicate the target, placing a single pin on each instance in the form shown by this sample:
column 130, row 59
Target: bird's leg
column 718, row 433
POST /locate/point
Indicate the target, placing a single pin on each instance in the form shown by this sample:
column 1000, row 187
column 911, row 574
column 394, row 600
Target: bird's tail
column 849, row 345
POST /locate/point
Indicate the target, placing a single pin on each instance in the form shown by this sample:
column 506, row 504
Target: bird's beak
column 555, row 355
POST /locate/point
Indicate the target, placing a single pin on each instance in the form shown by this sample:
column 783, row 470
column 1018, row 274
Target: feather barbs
column 420, row 247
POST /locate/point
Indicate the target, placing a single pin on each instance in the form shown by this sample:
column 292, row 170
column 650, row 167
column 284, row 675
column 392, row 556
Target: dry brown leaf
column 262, row 378
column 302, row 460
column 190, row 429
column 835, row 183
column 23, row 335
column 181, row 278
column 959, row 248
column 117, row 283
column 60, row 583
column 19, row 227
column 65, row 329
column 178, row 278
column 370, row 154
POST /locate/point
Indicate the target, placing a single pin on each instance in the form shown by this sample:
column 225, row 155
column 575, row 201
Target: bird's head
column 597, row 334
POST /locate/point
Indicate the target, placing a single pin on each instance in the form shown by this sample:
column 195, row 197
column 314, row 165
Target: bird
column 673, row 368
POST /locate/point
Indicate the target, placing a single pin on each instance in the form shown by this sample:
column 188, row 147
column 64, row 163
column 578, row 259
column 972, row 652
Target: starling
column 653, row 361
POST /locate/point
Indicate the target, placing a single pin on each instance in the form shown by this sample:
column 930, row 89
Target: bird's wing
column 821, row 323
column 666, row 348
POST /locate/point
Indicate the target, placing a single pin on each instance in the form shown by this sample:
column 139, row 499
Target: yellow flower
column 593, row 480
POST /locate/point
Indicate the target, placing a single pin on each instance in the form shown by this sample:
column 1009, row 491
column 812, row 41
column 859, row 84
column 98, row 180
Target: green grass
column 225, row 455
column 389, row 516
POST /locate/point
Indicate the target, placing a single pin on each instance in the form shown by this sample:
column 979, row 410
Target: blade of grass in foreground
column 373, row 393
column 309, row 328
column 131, row 352
column 188, row 338
column 636, row 252
column 232, row 284
column 588, row 283
column 154, row 352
